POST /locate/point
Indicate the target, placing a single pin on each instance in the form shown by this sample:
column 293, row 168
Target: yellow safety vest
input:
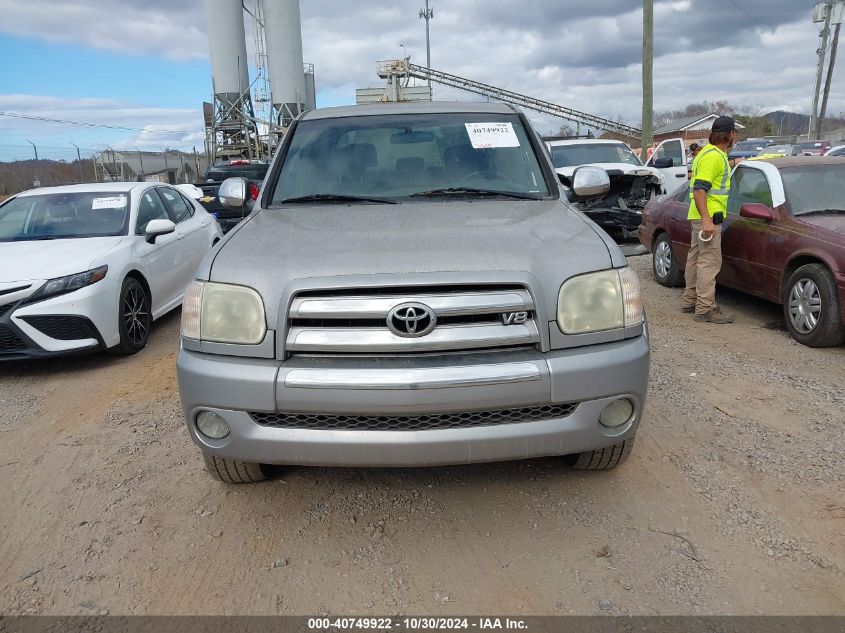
column 711, row 165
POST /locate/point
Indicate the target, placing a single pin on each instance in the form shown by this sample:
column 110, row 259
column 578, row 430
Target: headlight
column 62, row 285
column 600, row 301
column 223, row 313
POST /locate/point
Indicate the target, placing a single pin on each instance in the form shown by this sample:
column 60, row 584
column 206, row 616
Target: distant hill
column 789, row 123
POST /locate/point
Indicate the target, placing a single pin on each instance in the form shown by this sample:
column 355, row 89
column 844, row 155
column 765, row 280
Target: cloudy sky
column 143, row 64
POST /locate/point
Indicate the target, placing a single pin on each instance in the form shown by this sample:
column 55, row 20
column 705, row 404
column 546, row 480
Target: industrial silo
column 283, row 34
column 234, row 130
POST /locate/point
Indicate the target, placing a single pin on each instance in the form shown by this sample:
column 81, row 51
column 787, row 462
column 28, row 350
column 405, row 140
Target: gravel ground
column 732, row 502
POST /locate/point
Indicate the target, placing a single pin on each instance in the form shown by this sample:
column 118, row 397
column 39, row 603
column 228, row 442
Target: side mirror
column 156, row 228
column 588, row 182
column 232, row 193
column 757, row 211
column 663, row 163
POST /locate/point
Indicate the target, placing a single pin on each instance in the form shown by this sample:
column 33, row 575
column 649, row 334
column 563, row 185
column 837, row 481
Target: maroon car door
column 677, row 223
column 747, row 243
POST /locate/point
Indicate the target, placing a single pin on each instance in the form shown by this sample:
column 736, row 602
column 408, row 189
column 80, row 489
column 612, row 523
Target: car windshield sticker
column 486, row 135
column 115, row 202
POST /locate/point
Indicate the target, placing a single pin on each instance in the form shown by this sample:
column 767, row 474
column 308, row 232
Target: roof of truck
column 415, row 107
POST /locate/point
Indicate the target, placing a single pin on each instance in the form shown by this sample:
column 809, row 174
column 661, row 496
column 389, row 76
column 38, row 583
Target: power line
column 45, row 119
column 741, row 10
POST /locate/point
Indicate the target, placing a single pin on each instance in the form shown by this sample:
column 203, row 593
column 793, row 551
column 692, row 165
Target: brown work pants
column 703, row 264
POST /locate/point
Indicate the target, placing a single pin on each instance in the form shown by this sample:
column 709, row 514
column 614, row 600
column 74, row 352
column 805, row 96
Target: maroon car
column 783, row 240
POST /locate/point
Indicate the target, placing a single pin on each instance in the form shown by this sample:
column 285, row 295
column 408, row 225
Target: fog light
column 212, row 425
column 617, row 413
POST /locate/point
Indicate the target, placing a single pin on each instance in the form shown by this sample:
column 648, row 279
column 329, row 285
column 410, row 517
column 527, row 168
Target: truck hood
column 46, row 259
column 541, row 241
column 622, row 168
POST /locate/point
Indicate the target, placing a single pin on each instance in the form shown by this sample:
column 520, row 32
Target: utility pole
column 648, row 83
column 427, row 14
column 141, row 158
column 821, row 13
column 829, row 79
column 37, row 182
column 79, row 160
column 166, row 168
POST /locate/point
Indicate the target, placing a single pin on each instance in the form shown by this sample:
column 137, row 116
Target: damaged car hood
column 616, row 169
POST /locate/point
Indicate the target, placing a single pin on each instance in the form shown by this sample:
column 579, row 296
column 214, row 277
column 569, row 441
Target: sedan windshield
column 64, row 215
column 396, row 157
column 585, row 153
column 783, row 150
column 814, row 188
column 748, row 146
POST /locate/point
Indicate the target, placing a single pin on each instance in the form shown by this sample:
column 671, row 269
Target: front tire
column 134, row 318
column 811, row 307
column 667, row 272
column 604, row 458
column 232, row 471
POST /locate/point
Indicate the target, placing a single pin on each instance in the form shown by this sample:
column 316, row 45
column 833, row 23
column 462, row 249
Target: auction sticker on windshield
column 115, row 202
column 490, row 135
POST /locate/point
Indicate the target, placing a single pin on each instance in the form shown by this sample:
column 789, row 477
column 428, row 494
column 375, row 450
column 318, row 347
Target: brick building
column 694, row 129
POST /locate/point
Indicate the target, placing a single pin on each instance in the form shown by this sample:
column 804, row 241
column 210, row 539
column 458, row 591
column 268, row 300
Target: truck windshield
column 397, row 156
column 586, row 153
column 219, row 173
column 64, row 215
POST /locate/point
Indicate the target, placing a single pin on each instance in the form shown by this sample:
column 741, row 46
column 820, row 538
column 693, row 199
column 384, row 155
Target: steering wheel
column 498, row 175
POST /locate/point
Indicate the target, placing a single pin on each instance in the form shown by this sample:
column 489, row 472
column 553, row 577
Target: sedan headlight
column 600, row 301
column 62, row 285
column 223, row 313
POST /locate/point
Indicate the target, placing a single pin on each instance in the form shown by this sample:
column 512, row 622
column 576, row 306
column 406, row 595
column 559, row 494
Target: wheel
column 604, row 458
column 811, row 307
column 231, row 471
column 134, row 318
column 663, row 262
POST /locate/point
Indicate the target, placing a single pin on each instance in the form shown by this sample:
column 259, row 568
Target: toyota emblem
column 411, row 320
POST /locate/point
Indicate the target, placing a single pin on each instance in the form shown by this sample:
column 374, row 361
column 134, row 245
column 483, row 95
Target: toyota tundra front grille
column 427, row 422
column 411, row 320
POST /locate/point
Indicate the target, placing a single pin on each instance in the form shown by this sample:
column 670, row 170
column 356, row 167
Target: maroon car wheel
column 811, row 307
column 663, row 263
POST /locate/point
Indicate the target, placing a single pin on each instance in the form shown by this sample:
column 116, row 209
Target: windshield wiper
column 334, row 197
column 821, row 212
column 472, row 191
column 32, row 238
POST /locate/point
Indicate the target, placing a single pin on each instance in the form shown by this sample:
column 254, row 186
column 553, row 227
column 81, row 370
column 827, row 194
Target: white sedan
column 88, row 267
column 839, row 150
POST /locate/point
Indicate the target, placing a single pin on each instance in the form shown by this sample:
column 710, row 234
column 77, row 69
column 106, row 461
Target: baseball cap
column 723, row 124
column 693, row 147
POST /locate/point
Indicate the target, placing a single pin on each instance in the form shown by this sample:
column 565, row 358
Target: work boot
column 715, row 316
column 688, row 309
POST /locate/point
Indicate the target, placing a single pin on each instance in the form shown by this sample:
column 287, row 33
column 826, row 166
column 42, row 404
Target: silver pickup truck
column 413, row 288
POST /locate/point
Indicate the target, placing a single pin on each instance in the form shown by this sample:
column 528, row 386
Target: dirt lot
column 732, row 502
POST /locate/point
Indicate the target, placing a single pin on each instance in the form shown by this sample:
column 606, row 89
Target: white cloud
column 156, row 127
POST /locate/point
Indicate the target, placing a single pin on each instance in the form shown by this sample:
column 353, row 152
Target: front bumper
column 591, row 376
column 89, row 316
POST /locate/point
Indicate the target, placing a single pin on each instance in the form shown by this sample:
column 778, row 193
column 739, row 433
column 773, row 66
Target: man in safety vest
column 710, row 185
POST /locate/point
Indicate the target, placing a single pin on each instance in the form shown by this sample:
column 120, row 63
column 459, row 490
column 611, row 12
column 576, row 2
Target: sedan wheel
column 805, row 306
column 135, row 317
column 666, row 269
column 811, row 307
